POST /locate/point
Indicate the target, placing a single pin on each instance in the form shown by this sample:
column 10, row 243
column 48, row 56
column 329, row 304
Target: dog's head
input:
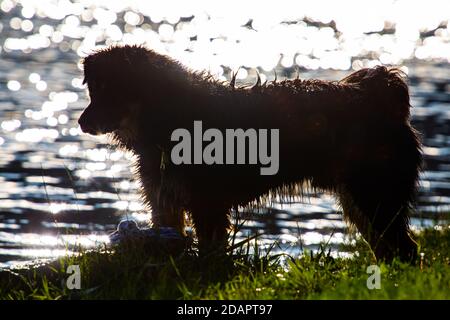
column 115, row 78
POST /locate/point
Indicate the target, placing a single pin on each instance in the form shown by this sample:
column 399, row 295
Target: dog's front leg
column 166, row 214
column 211, row 229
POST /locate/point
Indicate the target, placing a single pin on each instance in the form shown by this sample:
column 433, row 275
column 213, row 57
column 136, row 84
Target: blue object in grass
column 129, row 230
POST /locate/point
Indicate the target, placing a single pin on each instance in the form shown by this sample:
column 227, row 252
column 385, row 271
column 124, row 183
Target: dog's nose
column 81, row 122
column 83, row 125
column 86, row 129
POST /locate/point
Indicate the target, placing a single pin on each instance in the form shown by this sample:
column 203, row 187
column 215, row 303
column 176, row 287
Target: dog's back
column 351, row 137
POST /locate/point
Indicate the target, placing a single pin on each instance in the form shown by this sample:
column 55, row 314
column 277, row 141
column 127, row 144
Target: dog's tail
column 386, row 86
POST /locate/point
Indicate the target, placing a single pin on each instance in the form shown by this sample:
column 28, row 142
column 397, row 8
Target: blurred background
column 60, row 188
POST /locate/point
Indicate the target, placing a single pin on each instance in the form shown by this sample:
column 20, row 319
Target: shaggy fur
column 350, row 137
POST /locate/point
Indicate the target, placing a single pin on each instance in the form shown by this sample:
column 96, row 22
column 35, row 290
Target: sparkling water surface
column 60, row 189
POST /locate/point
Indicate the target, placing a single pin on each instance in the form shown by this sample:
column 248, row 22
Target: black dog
column 351, row 137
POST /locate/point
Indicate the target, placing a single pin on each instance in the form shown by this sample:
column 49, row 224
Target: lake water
column 60, row 188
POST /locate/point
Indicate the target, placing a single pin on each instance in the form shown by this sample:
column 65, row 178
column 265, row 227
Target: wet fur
column 350, row 137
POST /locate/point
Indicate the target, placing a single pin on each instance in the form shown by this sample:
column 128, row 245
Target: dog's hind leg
column 378, row 197
column 382, row 220
column 379, row 187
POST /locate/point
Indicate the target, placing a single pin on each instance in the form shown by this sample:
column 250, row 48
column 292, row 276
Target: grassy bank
column 134, row 274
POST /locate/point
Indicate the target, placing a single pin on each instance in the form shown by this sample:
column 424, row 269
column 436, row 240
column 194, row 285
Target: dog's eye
column 98, row 86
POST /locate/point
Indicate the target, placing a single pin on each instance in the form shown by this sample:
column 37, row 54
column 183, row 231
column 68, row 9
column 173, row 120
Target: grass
column 134, row 273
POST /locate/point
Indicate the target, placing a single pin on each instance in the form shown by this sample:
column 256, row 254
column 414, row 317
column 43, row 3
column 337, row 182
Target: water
column 60, row 188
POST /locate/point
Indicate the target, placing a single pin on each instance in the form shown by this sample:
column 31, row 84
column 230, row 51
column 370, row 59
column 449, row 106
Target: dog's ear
column 134, row 57
column 115, row 59
column 133, row 54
